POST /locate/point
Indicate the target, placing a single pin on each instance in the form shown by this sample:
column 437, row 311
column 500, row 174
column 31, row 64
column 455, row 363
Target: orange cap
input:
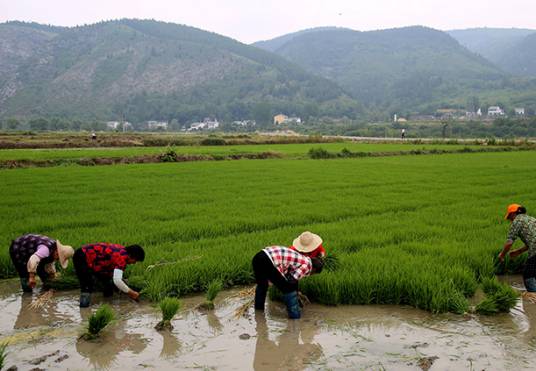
column 513, row 208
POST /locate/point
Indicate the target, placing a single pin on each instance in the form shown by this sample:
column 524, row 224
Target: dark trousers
column 265, row 272
column 22, row 267
column 87, row 277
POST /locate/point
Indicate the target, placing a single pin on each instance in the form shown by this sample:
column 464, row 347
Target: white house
column 495, row 111
column 113, row 125
column 207, row 123
column 156, row 125
column 293, row 120
column 519, row 111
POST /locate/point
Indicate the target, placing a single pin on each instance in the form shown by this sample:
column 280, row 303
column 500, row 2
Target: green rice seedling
column 487, row 306
column 3, row 354
column 331, row 262
column 98, row 321
column 213, row 289
column 169, row 307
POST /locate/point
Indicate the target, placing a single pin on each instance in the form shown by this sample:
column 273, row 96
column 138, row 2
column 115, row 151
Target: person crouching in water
column 33, row 254
column 105, row 262
column 283, row 267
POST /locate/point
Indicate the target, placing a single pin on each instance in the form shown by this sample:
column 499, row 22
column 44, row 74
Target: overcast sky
column 253, row 20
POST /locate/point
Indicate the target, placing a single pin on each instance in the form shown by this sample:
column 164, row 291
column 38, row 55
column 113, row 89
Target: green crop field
column 418, row 230
column 291, row 150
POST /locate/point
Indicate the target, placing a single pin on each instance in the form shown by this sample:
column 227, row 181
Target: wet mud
column 343, row 337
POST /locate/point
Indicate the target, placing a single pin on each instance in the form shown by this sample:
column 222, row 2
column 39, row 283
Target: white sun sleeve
column 118, row 281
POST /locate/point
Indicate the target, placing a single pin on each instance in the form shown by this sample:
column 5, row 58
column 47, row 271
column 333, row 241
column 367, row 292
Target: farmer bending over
column 283, row 267
column 33, row 253
column 524, row 227
column 105, row 262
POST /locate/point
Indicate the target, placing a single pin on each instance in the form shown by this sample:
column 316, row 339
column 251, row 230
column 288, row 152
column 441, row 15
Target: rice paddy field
column 417, row 230
column 288, row 150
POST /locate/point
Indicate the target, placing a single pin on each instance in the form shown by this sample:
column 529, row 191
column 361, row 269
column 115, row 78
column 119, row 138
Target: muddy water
column 345, row 337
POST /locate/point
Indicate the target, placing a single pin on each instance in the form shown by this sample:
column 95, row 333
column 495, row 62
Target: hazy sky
column 253, row 20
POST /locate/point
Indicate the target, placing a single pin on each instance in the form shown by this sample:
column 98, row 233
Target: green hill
column 152, row 70
column 493, row 44
column 520, row 59
column 412, row 69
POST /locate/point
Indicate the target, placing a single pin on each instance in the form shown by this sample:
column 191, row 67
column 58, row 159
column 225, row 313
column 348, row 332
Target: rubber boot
column 25, row 284
column 85, row 299
column 293, row 307
column 260, row 297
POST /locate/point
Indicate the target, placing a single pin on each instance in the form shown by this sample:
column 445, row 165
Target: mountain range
column 143, row 69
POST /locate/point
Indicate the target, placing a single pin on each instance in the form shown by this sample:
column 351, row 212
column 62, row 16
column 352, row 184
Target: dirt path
column 344, row 337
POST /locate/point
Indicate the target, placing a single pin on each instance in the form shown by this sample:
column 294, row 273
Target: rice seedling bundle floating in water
column 169, row 307
column 98, row 321
column 213, row 289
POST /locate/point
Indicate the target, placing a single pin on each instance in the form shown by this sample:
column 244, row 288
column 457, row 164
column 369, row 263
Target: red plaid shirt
column 289, row 262
column 104, row 257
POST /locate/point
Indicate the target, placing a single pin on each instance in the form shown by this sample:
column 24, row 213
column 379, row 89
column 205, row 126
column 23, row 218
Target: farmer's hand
column 134, row 295
column 501, row 257
column 31, row 281
column 530, row 296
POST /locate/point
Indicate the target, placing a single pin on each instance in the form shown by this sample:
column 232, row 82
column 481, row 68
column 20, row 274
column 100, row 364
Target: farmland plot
column 410, row 230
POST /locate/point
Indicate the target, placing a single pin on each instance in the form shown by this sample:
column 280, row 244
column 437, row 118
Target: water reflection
column 103, row 351
column 170, row 344
column 45, row 315
column 294, row 348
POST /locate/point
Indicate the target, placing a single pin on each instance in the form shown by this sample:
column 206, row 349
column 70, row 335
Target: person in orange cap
column 522, row 227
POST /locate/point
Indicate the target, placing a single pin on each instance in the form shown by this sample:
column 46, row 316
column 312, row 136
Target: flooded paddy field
column 341, row 337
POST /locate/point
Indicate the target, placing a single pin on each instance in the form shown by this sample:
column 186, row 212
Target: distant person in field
column 104, row 263
column 93, row 136
column 284, row 267
column 522, row 227
column 403, row 134
column 34, row 254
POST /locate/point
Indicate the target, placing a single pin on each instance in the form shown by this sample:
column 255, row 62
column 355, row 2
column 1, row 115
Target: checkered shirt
column 288, row 262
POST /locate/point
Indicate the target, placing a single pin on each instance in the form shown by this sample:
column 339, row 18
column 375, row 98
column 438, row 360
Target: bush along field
column 416, row 230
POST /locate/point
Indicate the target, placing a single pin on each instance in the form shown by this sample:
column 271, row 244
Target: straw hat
column 307, row 242
column 65, row 252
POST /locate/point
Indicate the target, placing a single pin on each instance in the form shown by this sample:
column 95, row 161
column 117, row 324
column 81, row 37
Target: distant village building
column 401, row 119
column 127, row 126
column 284, row 119
column 113, row 125
column 157, row 125
column 280, row 119
column 245, row 123
column 495, row 111
column 395, row 118
column 519, row 111
column 207, row 124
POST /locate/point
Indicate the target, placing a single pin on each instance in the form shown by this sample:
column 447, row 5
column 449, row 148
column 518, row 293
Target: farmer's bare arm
column 507, row 246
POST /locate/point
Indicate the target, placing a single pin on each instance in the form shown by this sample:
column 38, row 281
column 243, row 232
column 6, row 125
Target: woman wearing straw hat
column 284, row 267
column 33, row 254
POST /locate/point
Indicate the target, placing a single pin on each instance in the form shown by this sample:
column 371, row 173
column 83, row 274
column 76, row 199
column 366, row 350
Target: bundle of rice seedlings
column 3, row 354
column 65, row 282
column 331, row 262
column 42, row 300
column 243, row 309
column 99, row 320
column 169, row 307
column 213, row 289
column 500, row 297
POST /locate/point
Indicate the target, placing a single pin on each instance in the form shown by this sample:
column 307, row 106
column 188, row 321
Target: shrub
column 169, row 156
column 319, row 153
column 169, row 307
column 99, row 320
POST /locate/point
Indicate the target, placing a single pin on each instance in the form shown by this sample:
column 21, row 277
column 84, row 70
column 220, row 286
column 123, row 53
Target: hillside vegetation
column 403, row 70
column 146, row 70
